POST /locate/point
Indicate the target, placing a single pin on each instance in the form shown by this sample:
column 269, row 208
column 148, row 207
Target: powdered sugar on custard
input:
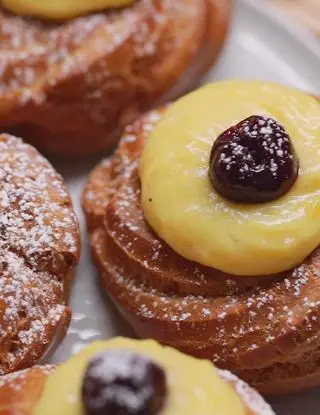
column 239, row 316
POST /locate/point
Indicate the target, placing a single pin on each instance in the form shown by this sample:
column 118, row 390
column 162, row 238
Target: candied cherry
column 121, row 382
column 253, row 161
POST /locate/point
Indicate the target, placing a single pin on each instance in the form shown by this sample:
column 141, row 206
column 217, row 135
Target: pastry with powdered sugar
column 205, row 227
column 129, row 377
column 69, row 84
column 39, row 249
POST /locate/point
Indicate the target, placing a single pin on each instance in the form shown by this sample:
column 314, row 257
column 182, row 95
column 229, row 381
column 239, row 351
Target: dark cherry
column 253, row 161
column 121, row 382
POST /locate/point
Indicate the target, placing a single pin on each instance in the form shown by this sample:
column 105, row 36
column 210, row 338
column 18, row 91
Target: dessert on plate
column 73, row 73
column 39, row 249
column 205, row 227
column 128, row 377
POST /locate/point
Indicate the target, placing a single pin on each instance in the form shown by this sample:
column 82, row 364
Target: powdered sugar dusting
column 121, row 377
column 251, row 398
column 259, row 144
column 234, row 316
column 119, row 363
column 34, row 52
column 15, row 381
column 39, row 244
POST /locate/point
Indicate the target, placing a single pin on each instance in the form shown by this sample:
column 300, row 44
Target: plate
column 260, row 47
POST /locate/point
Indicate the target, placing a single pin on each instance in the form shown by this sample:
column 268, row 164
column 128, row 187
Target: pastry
column 128, row 377
column 68, row 86
column 237, row 280
column 39, row 249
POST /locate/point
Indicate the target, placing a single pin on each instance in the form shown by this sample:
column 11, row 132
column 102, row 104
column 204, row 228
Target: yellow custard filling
column 183, row 208
column 61, row 9
column 194, row 386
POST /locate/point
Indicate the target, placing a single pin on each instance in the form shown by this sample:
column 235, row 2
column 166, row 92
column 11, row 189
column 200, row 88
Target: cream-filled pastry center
column 196, row 220
column 194, row 386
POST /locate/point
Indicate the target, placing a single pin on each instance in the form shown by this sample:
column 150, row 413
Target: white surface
column 259, row 47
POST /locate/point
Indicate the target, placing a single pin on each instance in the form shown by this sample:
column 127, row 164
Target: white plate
column 260, row 47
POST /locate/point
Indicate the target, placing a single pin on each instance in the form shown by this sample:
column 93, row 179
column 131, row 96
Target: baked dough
column 28, row 392
column 69, row 87
column 39, row 249
column 264, row 329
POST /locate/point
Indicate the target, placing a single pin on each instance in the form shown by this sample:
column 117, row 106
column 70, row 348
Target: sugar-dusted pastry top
column 191, row 385
column 264, row 329
column 39, row 249
column 60, row 9
column 69, row 86
column 197, row 220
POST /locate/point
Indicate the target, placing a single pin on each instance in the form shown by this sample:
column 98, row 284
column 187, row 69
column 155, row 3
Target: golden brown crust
column 264, row 329
column 39, row 249
column 68, row 87
column 19, row 392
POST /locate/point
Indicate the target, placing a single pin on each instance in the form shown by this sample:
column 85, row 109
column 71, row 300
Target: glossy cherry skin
column 121, row 382
column 253, row 161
